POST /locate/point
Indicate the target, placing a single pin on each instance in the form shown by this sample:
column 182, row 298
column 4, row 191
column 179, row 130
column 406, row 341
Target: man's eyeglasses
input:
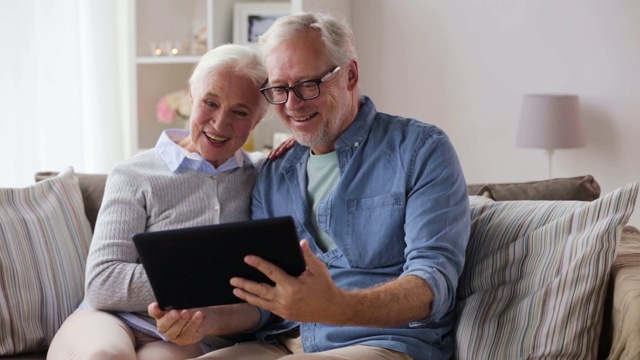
column 305, row 90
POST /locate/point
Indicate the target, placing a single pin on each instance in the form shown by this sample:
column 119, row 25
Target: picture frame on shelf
column 250, row 20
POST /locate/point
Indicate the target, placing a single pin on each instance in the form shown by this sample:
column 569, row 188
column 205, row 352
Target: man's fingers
column 254, row 293
column 252, row 299
column 251, row 287
column 271, row 271
column 311, row 261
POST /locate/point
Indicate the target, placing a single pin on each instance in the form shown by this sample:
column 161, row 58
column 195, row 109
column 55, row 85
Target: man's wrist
column 347, row 307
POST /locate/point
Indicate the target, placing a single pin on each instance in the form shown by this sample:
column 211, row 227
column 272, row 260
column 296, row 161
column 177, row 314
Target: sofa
column 552, row 271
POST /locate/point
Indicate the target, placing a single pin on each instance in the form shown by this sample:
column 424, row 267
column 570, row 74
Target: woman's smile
column 214, row 138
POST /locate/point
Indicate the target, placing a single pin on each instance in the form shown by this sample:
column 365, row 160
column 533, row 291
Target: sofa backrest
column 579, row 188
column 583, row 188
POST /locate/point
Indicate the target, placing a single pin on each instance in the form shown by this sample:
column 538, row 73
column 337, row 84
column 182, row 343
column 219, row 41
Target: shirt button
column 217, row 208
column 356, row 144
column 213, row 177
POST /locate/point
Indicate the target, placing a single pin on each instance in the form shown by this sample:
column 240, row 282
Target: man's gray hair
column 335, row 33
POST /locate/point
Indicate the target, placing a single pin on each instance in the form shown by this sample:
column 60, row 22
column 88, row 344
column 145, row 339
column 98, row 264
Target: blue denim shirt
column 400, row 208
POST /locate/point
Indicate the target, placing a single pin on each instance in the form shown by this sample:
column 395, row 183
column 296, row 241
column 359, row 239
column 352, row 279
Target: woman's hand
column 282, row 148
column 182, row 327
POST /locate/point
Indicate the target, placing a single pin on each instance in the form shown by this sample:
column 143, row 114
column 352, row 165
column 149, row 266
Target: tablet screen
column 191, row 267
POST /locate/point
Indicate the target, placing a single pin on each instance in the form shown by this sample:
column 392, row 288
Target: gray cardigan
column 142, row 194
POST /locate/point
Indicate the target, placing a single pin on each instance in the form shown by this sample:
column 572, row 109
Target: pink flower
column 174, row 105
column 164, row 113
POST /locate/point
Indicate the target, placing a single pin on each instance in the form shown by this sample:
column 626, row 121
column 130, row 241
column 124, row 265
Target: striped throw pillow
column 44, row 240
column 535, row 277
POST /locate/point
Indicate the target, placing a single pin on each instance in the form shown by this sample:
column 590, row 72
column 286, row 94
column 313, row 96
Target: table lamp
column 549, row 121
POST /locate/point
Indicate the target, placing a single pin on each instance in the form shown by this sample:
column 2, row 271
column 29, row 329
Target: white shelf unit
column 176, row 20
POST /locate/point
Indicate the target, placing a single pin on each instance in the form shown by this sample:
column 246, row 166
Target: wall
column 465, row 65
column 462, row 65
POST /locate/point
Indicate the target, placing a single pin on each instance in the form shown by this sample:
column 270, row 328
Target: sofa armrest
column 622, row 324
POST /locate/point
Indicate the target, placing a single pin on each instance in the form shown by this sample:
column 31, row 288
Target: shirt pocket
column 376, row 231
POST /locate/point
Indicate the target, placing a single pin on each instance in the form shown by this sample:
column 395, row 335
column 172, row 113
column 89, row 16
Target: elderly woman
column 191, row 178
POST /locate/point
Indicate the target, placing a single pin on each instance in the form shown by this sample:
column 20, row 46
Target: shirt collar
column 352, row 137
column 356, row 133
column 178, row 159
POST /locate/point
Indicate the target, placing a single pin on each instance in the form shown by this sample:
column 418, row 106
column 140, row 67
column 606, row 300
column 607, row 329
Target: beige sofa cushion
column 535, row 276
column 44, row 241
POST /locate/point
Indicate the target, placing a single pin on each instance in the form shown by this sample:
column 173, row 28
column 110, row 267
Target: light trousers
column 98, row 335
column 92, row 334
column 289, row 347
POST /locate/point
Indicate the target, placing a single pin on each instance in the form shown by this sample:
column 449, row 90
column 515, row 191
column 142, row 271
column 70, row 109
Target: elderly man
column 381, row 202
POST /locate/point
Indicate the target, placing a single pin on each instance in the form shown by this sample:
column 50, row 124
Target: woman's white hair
column 239, row 58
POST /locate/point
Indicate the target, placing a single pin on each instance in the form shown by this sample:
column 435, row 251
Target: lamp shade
column 550, row 122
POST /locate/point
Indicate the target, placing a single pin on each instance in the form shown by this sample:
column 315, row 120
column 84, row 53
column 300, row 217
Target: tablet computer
column 191, row 267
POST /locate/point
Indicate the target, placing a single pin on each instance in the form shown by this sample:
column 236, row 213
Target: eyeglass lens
column 305, row 90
